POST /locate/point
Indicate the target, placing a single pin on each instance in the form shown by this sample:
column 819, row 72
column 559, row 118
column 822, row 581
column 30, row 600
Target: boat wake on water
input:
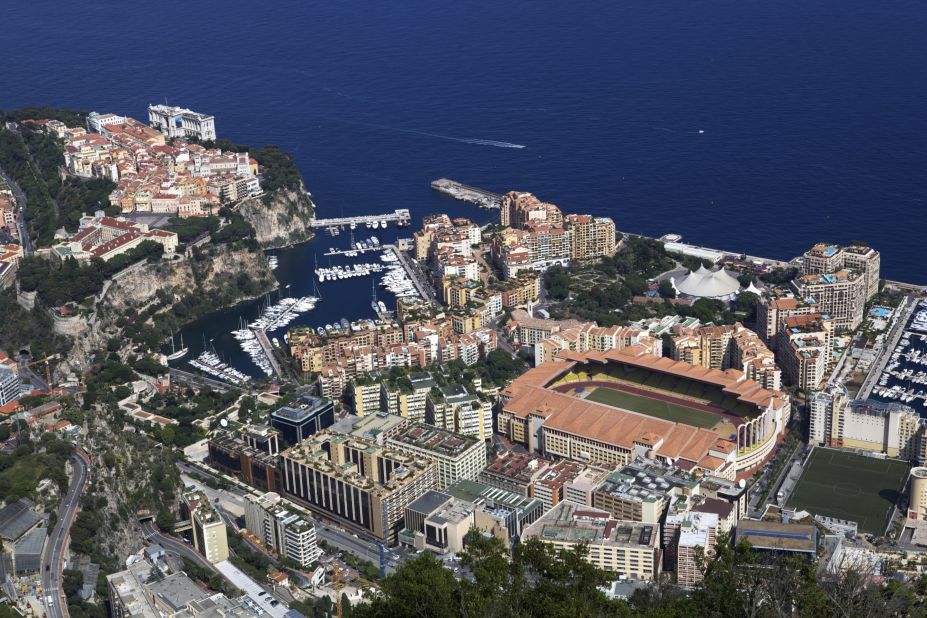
column 463, row 140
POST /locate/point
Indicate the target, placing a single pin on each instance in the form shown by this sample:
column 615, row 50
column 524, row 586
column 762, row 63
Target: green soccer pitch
column 845, row 485
column 653, row 407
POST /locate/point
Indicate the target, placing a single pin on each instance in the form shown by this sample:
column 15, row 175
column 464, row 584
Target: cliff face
column 280, row 218
column 221, row 274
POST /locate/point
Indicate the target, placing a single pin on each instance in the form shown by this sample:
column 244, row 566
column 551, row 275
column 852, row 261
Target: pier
column 414, row 271
column 400, row 217
column 261, row 335
column 466, row 193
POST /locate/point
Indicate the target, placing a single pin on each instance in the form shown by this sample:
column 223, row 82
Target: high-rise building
column 689, row 540
column 917, row 505
column 840, row 295
column 209, row 534
column 280, row 529
column 306, row 416
column 10, row 385
column 356, row 481
column 591, row 237
column 804, row 348
column 456, row 456
column 825, row 259
column 519, row 209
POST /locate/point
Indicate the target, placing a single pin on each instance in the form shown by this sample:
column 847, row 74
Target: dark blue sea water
column 812, row 112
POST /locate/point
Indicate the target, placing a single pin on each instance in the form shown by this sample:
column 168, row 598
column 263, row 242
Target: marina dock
column 268, row 350
column 466, row 193
column 400, row 217
column 415, row 274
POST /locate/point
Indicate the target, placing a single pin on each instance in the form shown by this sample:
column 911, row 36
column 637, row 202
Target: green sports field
column 848, row 486
column 653, row 407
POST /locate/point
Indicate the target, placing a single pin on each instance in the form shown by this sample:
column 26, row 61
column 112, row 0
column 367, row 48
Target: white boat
column 175, row 353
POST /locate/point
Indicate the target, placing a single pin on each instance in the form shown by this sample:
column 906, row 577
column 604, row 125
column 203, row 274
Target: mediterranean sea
column 760, row 127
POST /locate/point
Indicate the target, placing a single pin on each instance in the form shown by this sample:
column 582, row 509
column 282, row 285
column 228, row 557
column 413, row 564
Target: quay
column 352, row 251
column 400, row 217
column 193, row 379
column 889, row 345
column 261, row 335
column 466, row 193
column 414, row 271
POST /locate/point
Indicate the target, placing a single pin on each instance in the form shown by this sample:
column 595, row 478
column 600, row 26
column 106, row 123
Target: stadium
column 613, row 406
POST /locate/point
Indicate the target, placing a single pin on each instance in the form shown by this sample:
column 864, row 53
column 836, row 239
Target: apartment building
column 520, row 209
column 626, row 548
column 893, row 429
column 456, row 456
column 805, row 349
column 209, row 533
column 750, row 355
column 588, row 337
column 771, row 311
column 707, row 346
column 453, row 408
column 550, row 485
column 10, row 385
column 689, row 540
column 408, row 398
column 515, row 472
column 365, row 396
column 591, row 237
column 355, row 481
column 280, row 529
column 254, row 463
column 840, row 295
column 826, row 258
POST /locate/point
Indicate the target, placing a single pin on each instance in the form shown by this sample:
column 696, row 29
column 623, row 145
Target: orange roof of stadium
column 730, row 380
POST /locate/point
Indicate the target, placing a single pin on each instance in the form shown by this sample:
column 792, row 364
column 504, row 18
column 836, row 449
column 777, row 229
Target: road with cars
column 53, row 556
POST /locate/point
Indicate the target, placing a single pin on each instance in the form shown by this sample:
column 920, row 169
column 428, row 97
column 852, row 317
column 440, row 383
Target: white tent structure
column 704, row 283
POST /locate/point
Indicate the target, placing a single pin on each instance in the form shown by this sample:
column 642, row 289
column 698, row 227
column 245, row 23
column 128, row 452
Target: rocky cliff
column 219, row 274
column 281, row 217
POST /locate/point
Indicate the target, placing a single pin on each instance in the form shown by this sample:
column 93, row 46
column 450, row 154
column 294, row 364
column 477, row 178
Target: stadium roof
column 705, row 283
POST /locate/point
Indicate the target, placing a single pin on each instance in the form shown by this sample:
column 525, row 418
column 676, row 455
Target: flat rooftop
column 429, row 502
column 516, row 467
column 778, row 536
column 300, row 410
column 645, row 482
column 435, row 440
column 569, row 522
column 481, row 494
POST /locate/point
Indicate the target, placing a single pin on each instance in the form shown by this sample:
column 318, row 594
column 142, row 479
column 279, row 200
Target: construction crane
column 45, row 360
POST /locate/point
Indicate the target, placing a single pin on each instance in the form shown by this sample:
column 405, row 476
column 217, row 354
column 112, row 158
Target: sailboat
column 373, row 303
column 175, row 353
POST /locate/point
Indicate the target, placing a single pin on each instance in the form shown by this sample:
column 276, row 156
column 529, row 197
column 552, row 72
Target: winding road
column 53, row 556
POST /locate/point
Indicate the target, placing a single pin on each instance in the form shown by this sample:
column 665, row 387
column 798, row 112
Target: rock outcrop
column 220, row 273
column 280, row 218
